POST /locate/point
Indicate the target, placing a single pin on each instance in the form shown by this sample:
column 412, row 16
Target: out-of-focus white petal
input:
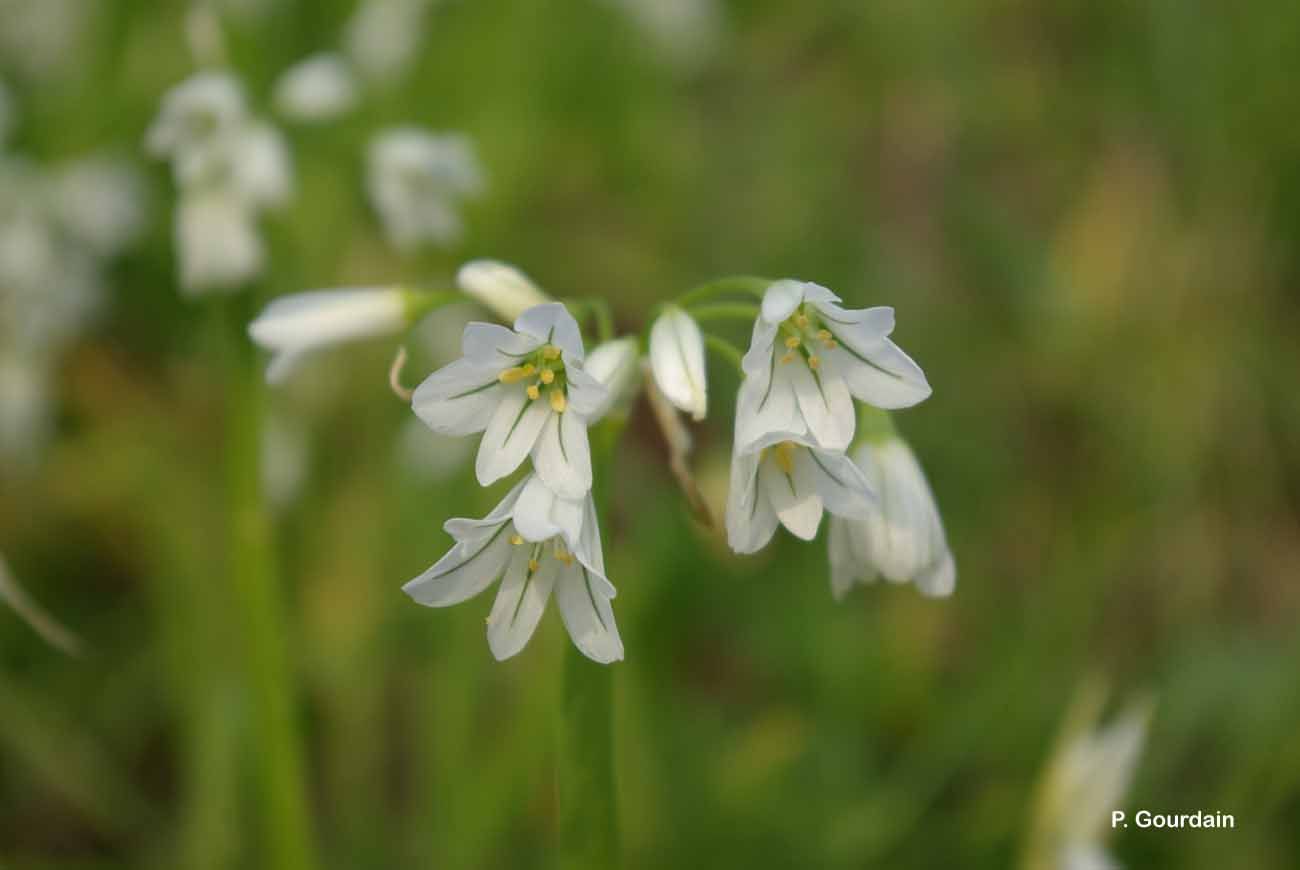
column 302, row 322
column 615, row 366
column 416, row 181
column 100, row 201
column 217, row 241
column 195, row 112
column 383, row 37
column 261, row 167
column 318, row 88
column 677, row 360
column 501, row 288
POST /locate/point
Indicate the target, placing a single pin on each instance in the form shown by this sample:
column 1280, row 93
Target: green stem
column 874, row 424
column 746, row 285
column 745, row 311
column 726, row 350
column 257, row 590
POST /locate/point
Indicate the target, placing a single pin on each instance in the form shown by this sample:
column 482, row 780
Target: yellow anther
column 558, row 401
column 550, row 352
column 801, row 320
column 831, row 344
column 516, row 374
column 533, row 566
column 792, row 342
column 784, row 453
column 814, row 362
column 533, row 391
column 788, row 358
column 516, row 539
column 547, row 376
column 824, row 334
column 563, row 555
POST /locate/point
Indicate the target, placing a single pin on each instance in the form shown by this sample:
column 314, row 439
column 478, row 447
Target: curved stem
column 726, row 350
column 746, row 285
column 745, row 311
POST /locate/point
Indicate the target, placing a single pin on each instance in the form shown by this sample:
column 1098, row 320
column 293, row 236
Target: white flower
column 685, row 32
column 788, row 480
column 195, row 113
column 677, row 360
column 383, row 36
column 504, row 290
column 256, row 159
column 319, row 88
column 527, row 391
column 536, row 542
column 295, row 325
column 616, row 365
column 217, row 241
column 416, row 181
column 902, row 537
column 826, row 356
column 100, row 202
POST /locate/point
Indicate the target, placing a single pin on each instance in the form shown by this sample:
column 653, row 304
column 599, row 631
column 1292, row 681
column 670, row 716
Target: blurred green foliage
column 1085, row 214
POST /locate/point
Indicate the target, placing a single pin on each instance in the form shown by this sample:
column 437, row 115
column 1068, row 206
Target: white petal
column 825, row 403
column 836, row 480
column 466, row 529
column 552, row 323
column 500, row 287
column 562, row 455
column 844, row 569
column 318, row 88
column 588, row 549
column 468, row 569
column 510, row 435
column 758, row 360
column 587, row 614
column 586, row 395
column 459, row 398
column 541, row 515
column 750, row 519
column 859, row 329
column 495, row 345
column 327, row 317
column 520, row 602
column 940, row 579
column 881, row 375
column 282, row 365
column 762, row 411
column 781, row 299
column 800, row 512
column 677, row 360
column 614, row 366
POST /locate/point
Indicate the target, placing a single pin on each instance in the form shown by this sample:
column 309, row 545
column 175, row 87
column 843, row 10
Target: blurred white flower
column 101, row 202
column 217, row 241
column 677, row 360
column 684, row 32
column 1084, row 782
column 295, row 325
column 42, row 39
column 501, row 288
column 497, row 388
column 319, row 88
column 383, row 37
column 616, row 365
column 826, row 357
column 257, row 159
column 536, row 542
column 789, row 480
column 902, row 537
column 416, row 181
column 194, row 115
column 285, row 459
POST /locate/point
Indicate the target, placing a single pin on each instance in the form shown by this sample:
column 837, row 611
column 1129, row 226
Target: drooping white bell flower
column 100, row 202
column 319, row 88
column 301, row 323
column 537, row 543
column 503, row 289
column 416, row 181
column 677, row 360
column 809, row 358
column 195, row 114
column 258, row 164
column 217, row 241
column 616, row 365
column 788, row 480
column 527, row 391
column 902, row 537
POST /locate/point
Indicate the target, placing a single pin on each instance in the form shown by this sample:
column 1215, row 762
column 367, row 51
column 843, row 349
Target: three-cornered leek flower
column 295, row 325
column 616, row 365
column 677, row 361
column 809, row 358
column 416, row 181
column 319, row 88
column 788, row 480
column 527, row 391
column 501, row 288
column 902, row 537
column 536, row 542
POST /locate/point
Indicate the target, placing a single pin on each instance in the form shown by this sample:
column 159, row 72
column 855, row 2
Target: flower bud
column 303, row 322
column 677, row 360
column 614, row 364
column 500, row 287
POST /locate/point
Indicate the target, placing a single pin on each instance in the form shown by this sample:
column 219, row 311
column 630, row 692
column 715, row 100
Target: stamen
column 563, row 555
column 533, row 391
column 516, row 539
column 801, row 320
column 792, row 342
column 831, row 344
column 547, row 376
column 784, row 453
column 550, row 352
column 788, row 358
column 533, row 565
column 516, row 374
column 814, row 362
column 558, row 401
column 824, row 334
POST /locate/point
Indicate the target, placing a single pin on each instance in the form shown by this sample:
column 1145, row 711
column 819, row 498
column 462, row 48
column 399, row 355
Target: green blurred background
column 1087, row 215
